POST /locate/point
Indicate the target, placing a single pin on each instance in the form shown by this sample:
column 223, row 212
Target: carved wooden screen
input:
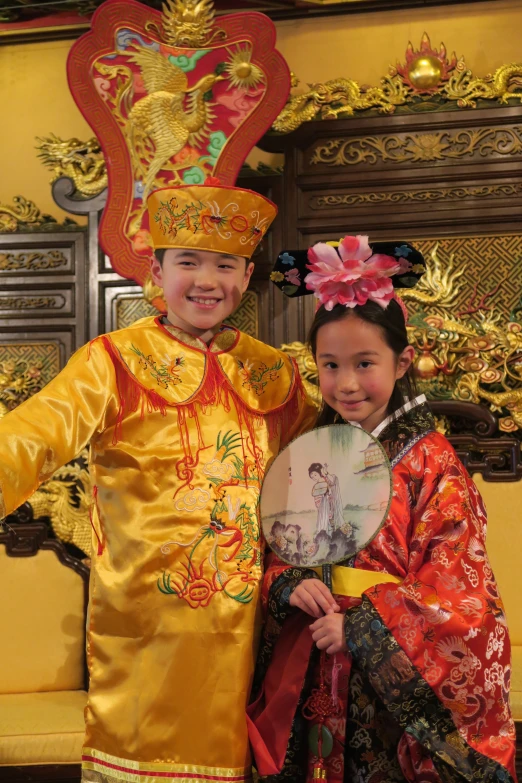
column 42, row 309
column 453, row 176
column 451, row 181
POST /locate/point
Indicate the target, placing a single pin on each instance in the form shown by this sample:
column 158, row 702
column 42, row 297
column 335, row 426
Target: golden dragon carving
column 189, row 23
column 65, row 499
column 503, row 85
column 437, row 288
column 457, row 356
column 326, row 101
column 469, row 389
column 427, row 73
column 81, row 161
column 24, row 215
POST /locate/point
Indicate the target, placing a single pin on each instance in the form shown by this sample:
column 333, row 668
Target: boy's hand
column 328, row 633
column 314, row 598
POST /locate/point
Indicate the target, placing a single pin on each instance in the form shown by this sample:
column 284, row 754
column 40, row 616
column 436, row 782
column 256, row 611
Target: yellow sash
column 353, row 582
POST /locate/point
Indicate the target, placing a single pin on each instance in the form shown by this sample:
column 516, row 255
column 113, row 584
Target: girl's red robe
column 428, row 658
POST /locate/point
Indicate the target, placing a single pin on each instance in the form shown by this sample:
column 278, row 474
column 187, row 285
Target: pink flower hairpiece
column 351, row 274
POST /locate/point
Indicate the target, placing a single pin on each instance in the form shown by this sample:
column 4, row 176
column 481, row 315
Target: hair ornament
column 349, row 272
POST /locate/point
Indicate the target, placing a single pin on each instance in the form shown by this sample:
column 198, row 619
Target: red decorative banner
column 168, row 114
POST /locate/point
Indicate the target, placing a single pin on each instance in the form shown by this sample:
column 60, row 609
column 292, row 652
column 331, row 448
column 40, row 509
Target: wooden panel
column 453, row 176
column 42, row 289
column 37, row 301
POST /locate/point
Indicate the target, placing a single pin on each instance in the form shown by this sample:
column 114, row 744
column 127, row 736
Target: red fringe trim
column 214, row 391
column 131, row 393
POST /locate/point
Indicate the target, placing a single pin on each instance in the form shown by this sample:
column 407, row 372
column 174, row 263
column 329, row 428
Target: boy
column 183, row 416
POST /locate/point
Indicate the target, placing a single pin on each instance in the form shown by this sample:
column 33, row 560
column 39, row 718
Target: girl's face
column 314, row 475
column 358, row 370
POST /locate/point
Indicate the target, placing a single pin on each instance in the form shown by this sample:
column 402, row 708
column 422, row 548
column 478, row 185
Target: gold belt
column 353, row 582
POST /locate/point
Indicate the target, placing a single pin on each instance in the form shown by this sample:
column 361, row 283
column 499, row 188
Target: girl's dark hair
column 315, row 467
column 391, row 321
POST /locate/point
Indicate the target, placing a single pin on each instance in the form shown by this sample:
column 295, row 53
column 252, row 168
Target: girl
column 415, row 683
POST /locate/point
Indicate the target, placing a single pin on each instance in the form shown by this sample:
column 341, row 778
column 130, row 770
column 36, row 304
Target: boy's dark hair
column 391, row 321
column 160, row 254
column 315, row 467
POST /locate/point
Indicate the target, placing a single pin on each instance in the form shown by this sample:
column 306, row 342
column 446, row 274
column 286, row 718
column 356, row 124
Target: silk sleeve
column 53, row 426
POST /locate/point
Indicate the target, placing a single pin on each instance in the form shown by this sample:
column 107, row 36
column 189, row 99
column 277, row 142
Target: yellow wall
column 36, row 101
column 362, row 46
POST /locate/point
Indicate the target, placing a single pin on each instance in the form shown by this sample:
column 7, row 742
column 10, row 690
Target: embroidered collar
column 224, row 340
column 408, row 406
column 176, row 368
column 400, row 431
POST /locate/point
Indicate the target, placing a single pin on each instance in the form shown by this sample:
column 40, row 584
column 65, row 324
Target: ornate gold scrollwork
column 25, row 216
column 469, row 355
column 406, row 196
column 31, row 261
column 31, row 302
column 427, row 78
column 419, row 147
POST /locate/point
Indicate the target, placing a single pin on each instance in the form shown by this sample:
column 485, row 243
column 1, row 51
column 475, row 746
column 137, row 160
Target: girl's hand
column 314, row 598
column 328, row 633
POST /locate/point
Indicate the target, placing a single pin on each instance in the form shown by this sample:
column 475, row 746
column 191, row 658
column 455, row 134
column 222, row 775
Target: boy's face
column 201, row 288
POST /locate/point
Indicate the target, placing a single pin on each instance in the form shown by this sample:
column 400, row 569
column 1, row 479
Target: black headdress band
column 290, row 269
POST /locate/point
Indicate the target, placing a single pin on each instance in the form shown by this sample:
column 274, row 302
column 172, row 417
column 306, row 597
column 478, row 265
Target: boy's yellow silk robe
column 181, row 434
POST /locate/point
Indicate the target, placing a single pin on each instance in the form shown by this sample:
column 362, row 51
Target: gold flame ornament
column 425, row 68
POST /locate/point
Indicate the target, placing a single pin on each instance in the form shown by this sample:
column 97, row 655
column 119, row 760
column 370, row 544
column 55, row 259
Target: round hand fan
column 326, row 496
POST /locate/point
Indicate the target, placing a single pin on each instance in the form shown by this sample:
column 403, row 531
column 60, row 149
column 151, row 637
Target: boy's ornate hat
column 349, row 272
column 209, row 217
column 174, row 98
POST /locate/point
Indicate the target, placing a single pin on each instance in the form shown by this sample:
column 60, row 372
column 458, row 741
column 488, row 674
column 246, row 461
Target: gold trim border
column 425, row 195
column 129, row 770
